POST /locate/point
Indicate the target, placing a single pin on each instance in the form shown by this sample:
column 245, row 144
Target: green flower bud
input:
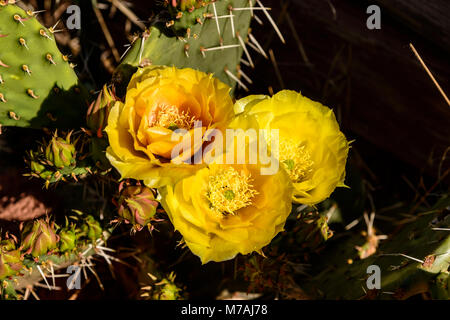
column 7, row 245
column 10, row 261
column 67, row 240
column 137, row 205
column 60, row 152
column 91, row 229
column 39, row 237
column 36, row 167
column 98, row 112
column 166, row 289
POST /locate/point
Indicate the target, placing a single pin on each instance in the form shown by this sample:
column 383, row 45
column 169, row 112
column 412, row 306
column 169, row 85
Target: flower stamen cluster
column 230, row 190
column 296, row 159
column 171, row 117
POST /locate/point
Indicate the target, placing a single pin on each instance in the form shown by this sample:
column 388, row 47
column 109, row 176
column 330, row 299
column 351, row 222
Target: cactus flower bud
column 39, row 237
column 40, row 170
column 10, row 262
column 98, row 112
column 137, row 205
column 91, row 229
column 166, row 289
column 67, row 240
column 36, row 167
column 60, row 152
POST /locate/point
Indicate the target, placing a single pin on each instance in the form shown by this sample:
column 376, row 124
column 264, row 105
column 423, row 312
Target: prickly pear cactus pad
column 38, row 86
column 414, row 261
column 212, row 42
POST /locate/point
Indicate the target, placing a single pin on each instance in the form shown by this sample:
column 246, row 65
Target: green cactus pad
column 159, row 45
column 38, row 87
column 344, row 275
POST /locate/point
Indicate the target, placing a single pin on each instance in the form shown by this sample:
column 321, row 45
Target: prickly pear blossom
column 312, row 149
column 223, row 210
column 160, row 100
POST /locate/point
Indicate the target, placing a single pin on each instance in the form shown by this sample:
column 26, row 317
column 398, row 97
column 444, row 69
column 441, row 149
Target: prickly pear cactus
column 208, row 38
column 38, row 86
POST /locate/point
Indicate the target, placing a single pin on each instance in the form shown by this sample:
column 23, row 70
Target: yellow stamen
column 230, row 190
column 171, row 117
column 296, row 159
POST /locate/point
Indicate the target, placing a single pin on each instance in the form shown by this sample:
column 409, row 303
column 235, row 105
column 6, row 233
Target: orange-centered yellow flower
column 223, row 209
column 312, row 149
column 160, row 100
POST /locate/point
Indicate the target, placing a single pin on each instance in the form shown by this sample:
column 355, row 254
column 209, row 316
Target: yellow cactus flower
column 224, row 209
column 312, row 149
column 160, row 100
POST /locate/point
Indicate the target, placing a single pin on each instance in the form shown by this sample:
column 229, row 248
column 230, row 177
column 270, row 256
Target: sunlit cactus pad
column 38, row 86
column 197, row 47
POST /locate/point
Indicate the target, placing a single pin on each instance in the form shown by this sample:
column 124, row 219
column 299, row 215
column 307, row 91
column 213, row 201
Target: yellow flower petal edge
column 158, row 101
column 312, row 149
column 224, row 210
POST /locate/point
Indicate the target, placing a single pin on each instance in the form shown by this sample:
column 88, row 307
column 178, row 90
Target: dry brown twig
column 107, row 34
column 128, row 13
column 429, row 73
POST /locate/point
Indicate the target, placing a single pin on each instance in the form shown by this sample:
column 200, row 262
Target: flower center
column 229, row 191
column 296, row 159
column 170, row 117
